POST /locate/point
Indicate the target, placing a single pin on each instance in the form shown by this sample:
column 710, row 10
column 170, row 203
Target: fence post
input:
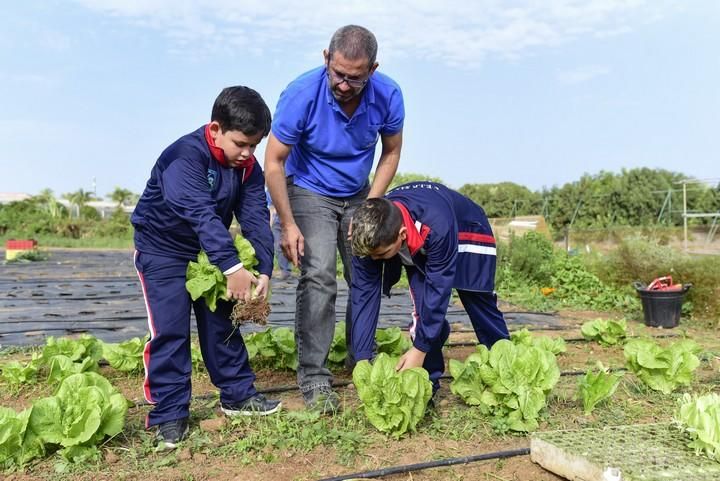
column 567, row 238
column 685, row 242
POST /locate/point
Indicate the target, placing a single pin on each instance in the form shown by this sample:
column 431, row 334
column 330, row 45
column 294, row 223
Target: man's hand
column 263, row 286
column 293, row 243
column 413, row 358
column 239, row 284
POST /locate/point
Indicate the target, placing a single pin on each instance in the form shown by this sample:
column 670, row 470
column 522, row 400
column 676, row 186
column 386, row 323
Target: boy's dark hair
column 354, row 43
column 376, row 223
column 243, row 109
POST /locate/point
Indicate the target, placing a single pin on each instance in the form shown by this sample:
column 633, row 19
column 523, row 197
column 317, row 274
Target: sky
column 532, row 92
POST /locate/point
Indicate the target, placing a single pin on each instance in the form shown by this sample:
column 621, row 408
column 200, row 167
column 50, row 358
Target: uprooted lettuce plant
column 85, row 409
column 257, row 309
column 509, row 382
column 595, row 387
column 699, row 416
column 607, row 332
column 394, row 402
column 662, row 368
column 524, row 337
column 204, row 279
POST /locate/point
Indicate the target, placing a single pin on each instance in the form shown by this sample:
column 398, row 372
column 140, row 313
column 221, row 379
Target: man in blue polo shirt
column 317, row 162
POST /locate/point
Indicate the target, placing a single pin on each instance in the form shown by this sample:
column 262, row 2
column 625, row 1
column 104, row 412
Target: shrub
column 578, row 287
column 644, row 259
column 531, row 256
column 25, row 218
column 117, row 225
column 529, row 264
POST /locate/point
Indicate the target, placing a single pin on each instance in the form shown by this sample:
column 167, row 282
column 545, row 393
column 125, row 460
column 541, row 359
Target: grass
column 298, row 432
column 45, row 241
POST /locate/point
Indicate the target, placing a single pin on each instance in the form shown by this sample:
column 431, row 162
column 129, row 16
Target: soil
column 130, row 456
column 127, row 460
column 255, row 311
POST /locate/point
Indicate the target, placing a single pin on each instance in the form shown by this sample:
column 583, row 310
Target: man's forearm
column 275, row 178
column 276, row 154
column 387, row 165
column 386, row 169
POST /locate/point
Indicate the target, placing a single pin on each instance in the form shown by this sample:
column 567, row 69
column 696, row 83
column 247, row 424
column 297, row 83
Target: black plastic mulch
column 98, row 292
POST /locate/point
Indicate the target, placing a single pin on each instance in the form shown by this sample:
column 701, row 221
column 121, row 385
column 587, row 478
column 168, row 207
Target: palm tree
column 79, row 198
column 122, row 196
column 46, row 198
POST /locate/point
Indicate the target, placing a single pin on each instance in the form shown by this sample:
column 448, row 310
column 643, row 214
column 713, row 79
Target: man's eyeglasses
column 338, row 79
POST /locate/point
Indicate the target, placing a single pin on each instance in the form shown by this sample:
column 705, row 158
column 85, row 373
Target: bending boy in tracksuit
column 444, row 241
column 195, row 187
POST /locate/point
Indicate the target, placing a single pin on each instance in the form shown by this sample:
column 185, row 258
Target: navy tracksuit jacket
column 188, row 205
column 452, row 246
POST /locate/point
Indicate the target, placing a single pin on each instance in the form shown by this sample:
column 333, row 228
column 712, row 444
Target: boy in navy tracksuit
column 195, row 187
column 444, row 241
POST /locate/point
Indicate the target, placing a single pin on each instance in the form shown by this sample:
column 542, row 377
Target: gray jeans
column 324, row 223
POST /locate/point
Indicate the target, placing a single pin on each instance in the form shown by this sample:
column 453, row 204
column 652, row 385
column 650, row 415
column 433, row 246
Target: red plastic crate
column 21, row 244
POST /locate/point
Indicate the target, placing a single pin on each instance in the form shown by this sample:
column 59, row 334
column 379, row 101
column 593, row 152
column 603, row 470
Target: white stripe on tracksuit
column 476, row 249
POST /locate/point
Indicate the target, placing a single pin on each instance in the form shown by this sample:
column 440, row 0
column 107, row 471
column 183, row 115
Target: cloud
column 582, row 74
column 455, row 32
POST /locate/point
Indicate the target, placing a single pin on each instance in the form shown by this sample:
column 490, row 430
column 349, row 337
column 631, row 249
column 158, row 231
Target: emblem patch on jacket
column 211, row 176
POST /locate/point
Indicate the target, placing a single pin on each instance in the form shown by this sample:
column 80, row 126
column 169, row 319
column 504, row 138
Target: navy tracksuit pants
column 167, row 359
column 487, row 321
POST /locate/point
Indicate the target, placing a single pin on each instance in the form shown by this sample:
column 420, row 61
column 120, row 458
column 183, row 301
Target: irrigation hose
column 430, row 464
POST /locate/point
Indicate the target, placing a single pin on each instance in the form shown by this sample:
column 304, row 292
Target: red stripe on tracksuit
column 151, row 327
column 475, row 237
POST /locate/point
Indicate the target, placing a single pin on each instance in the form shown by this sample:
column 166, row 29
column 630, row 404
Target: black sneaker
column 322, row 399
column 257, row 405
column 170, row 434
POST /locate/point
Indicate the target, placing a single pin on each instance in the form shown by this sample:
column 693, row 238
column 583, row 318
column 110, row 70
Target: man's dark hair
column 243, row 109
column 354, row 43
column 376, row 223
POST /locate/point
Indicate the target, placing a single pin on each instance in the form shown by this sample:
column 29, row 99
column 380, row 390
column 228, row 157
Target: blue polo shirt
column 332, row 154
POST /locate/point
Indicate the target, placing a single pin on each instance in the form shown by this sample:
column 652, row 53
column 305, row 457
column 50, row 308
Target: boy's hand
column 263, row 286
column 413, row 358
column 293, row 244
column 239, row 284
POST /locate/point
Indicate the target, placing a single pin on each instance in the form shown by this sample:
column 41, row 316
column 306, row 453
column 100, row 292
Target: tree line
column 632, row 197
column 44, row 215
